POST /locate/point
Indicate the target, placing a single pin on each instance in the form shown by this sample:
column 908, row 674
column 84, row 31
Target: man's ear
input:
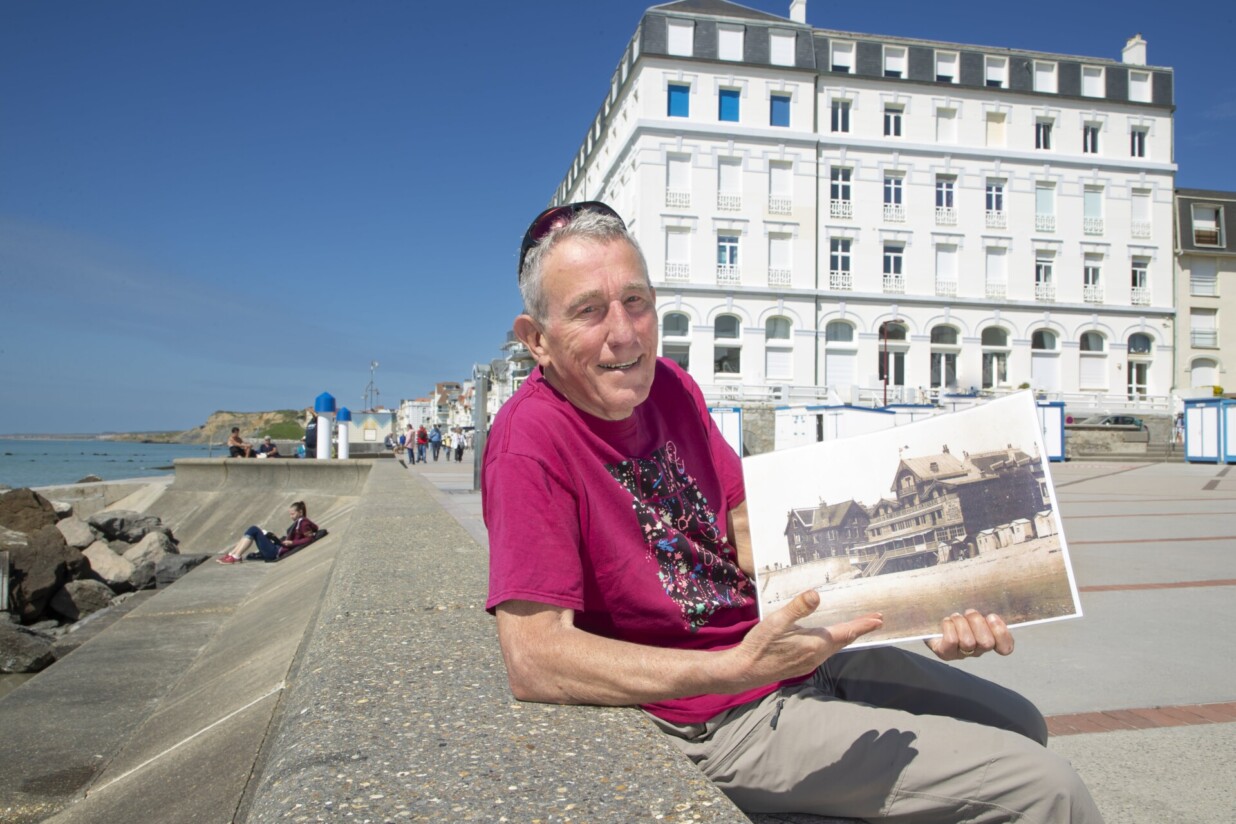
column 529, row 333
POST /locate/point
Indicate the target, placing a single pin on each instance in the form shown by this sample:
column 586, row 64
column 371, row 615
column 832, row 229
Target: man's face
column 598, row 345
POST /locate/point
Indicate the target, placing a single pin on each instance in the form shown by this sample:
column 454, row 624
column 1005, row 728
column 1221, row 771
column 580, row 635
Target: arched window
column 944, row 335
column 676, row 325
column 995, row 336
column 1093, row 342
column 944, row 350
column 727, row 327
column 840, row 358
column 891, row 355
column 727, row 345
column 838, row 331
column 1043, row 339
column 995, row 341
column 1092, row 367
column 778, row 350
column 777, row 329
column 1139, row 344
column 675, row 339
column 893, row 330
column 1137, row 371
column 1204, row 372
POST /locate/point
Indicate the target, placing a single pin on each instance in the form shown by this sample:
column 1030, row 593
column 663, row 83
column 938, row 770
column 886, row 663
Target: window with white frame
column 1137, row 141
column 995, row 345
column 944, row 351
column 729, row 42
column 677, row 254
column 1044, row 76
column 1207, row 225
column 994, row 204
column 680, row 41
column 1203, row 328
column 995, row 72
column 840, row 356
column 780, row 263
column 678, row 97
column 1042, row 132
column 1139, row 212
column 1044, row 207
column 946, row 67
column 781, row 48
column 997, row 272
column 946, row 269
column 727, row 259
column 727, row 345
column 1204, row 279
column 1092, row 81
column 894, row 61
column 840, row 115
column 728, row 105
column 842, row 59
column 778, row 349
column 892, row 120
column 1139, row 87
column 1140, row 281
column 729, row 184
column 676, row 339
column 1044, row 279
column 894, row 209
column 894, row 281
column 678, row 181
column 1090, row 138
column 1092, row 278
column 780, row 187
column 1092, row 210
column 779, row 110
column 946, row 125
column 840, row 205
column 946, row 212
column 995, row 122
column 840, row 277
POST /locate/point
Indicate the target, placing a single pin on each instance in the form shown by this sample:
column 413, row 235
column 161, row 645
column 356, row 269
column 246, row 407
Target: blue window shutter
column 728, row 108
column 780, row 114
column 679, row 101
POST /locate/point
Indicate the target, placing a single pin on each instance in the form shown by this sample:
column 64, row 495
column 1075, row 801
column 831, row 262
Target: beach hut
column 1044, row 523
column 1004, row 535
column 1023, row 530
column 986, row 541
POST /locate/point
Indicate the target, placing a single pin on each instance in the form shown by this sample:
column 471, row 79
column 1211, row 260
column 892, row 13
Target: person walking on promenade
column 638, row 588
column 422, row 443
column 435, row 441
column 460, row 442
column 447, row 440
column 301, row 532
column 409, row 443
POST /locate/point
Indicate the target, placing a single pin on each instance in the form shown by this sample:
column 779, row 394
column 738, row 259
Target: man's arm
column 549, row 659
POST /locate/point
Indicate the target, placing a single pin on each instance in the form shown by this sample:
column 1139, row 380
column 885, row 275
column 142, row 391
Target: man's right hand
column 778, row 648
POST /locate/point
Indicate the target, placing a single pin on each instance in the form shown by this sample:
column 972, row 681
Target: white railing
column 678, row 272
column 895, row 284
column 1082, row 404
column 1044, row 223
column 997, row 289
column 728, row 274
column 894, row 213
column 946, row 288
column 840, row 281
column 677, row 200
column 997, row 219
column 779, row 205
column 1205, row 338
column 1140, row 295
column 775, row 393
column 729, row 202
column 1140, row 229
column 1092, row 225
column 779, row 277
column 841, row 209
column 1044, row 291
column 946, row 216
column 1092, row 293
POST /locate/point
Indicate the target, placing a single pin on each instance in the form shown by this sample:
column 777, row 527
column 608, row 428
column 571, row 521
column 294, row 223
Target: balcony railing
column 678, row 272
column 894, row 213
column 778, row 277
column 895, row 284
column 1140, row 229
column 841, row 209
column 946, row 216
column 1204, row 338
column 1092, row 225
column 779, row 205
column 1092, row 293
column 1044, row 291
column 840, row 281
column 1044, row 223
column 997, row 289
column 997, row 219
column 1140, row 295
column 728, row 274
column 677, row 200
column 946, row 288
column 729, row 202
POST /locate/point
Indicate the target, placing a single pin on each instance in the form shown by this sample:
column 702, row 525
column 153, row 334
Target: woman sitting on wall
column 269, row 546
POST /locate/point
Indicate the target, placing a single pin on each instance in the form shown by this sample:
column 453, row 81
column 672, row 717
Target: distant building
column 1205, row 288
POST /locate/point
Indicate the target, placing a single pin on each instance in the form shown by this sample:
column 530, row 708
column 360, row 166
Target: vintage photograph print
column 918, row 521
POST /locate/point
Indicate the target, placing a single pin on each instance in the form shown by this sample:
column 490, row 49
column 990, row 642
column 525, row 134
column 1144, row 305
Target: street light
column 371, row 391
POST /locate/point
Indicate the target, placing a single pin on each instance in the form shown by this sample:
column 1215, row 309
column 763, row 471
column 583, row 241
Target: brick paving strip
column 1144, row 718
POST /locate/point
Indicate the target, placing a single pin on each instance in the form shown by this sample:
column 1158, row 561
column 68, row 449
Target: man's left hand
column 971, row 635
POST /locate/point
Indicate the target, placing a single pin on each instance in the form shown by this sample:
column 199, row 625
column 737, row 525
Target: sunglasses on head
column 555, row 218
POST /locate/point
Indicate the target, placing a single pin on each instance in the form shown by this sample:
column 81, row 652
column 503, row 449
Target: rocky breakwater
column 65, row 571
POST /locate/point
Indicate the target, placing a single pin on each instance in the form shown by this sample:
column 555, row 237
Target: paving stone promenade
column 360, row 680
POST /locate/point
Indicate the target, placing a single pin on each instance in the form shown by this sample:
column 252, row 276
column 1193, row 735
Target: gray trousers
column 889, row 735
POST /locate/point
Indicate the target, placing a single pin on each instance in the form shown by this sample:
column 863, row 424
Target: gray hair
column 585, row 225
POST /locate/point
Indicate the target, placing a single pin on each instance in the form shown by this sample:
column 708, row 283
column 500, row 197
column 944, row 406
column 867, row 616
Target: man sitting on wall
column 237, row 447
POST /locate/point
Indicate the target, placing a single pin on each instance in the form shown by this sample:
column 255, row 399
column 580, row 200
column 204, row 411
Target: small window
column 679, row 100
column 1139, row 344
column 1207, row 226
column 995, row 72
column 681, row 38
column 995, row 196
column 676, row 325
column 781, row 48
column 1043, row 268
column 839, row 183
column 892, row 121
column 779, row 110
column 1137, row 142
column 1139, row 87
column 777, row 329
column 1044, row 77
column 841, row 116
column 1092, row 342
column 893, row 255
column 1092, row 81
column 894, row 61
column 946, row 67
column 893, row 189
column 839, row 254
column 1090, row 138
column 893, row 330
column 727, row 105
column 842, row 58
column 1042, row 133
column 838, row 331
column 945, row 185
column 995, row 336
column 944, row 335
column 1043, row 340
column 727, row 327
column 729, row 42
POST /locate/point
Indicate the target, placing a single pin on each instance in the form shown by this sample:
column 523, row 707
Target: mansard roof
column 718, row 8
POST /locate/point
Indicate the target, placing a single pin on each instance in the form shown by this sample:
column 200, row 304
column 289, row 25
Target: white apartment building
column 1205, row 290
column 853, row 217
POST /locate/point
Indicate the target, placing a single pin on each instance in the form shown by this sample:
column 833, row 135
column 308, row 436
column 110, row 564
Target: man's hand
column 971, row 635
column 779, row 648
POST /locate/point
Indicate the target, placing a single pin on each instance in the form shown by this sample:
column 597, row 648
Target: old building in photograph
column 848, row 217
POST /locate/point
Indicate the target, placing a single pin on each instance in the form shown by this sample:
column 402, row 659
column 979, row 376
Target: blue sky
column 238, row 205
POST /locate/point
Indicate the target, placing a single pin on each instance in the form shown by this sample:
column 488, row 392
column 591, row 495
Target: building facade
column 858, row 218
column 1205, row 289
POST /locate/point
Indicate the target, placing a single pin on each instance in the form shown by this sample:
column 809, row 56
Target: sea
column 29, row 462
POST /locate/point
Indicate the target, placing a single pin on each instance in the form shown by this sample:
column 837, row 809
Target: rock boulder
column 39, row 568
column 126, row 525
column 107, row 566
column 78, row 599
column 25, row 510
column 22, row 650
column 150, row 548
column 172, row 567
column 77, row 533
column 143, row 576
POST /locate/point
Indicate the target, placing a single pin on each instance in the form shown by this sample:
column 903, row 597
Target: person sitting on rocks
column 238, row 447
column 302, row 531
column 268, row 448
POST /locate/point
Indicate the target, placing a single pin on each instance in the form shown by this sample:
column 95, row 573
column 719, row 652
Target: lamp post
column 884, row 357
column 371, row 391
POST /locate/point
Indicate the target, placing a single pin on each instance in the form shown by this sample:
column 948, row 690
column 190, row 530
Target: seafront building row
column 832, row 217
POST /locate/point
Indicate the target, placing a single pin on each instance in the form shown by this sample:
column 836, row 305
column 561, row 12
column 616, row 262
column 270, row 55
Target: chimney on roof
column 798, row 11
column 1134, row 52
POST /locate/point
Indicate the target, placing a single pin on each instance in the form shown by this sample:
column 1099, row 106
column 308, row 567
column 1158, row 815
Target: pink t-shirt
column 623, row 522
